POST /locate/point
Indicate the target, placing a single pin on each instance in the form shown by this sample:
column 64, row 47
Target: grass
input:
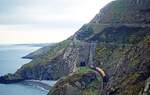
column 43, row 59
column 117, row 9
column 93, row 88
column 83, row 70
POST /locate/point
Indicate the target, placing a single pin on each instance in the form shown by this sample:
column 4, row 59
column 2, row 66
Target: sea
column 11, row 60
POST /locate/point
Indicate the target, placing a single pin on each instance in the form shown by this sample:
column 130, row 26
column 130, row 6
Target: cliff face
column 117, row 40
column 60, row 60
column 120, row 36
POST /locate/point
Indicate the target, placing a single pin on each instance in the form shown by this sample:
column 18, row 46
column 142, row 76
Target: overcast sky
column 42, row 21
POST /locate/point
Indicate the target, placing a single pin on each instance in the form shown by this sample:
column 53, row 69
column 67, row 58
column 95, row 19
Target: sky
column 44, row 21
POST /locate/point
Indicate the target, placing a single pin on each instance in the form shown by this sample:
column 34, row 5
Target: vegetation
column 134, row 62
column 131, row 84
column 82, row 70
column 61, row 84
column 98, row 27
column 102, row 53
column 116, row 10
column 85, row 32
column 120, row 50
column 52, row 52
column 93, row 88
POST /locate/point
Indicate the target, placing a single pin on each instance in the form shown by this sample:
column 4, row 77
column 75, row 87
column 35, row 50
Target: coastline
column 41, row 84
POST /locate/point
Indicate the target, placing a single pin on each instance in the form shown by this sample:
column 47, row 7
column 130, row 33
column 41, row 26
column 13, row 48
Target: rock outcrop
column 75, row 84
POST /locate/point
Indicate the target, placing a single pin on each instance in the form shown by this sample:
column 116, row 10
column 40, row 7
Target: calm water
column 10, row 61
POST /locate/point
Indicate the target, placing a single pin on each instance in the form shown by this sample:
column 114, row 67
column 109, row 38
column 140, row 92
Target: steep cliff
column 117, row 40
column 60, row 60
column 120, row 35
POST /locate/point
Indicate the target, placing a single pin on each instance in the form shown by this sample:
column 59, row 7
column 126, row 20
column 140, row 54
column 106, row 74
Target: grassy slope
column 43, row 59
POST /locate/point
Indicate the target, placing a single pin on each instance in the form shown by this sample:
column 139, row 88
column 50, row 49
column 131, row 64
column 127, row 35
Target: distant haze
column 44, row 21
